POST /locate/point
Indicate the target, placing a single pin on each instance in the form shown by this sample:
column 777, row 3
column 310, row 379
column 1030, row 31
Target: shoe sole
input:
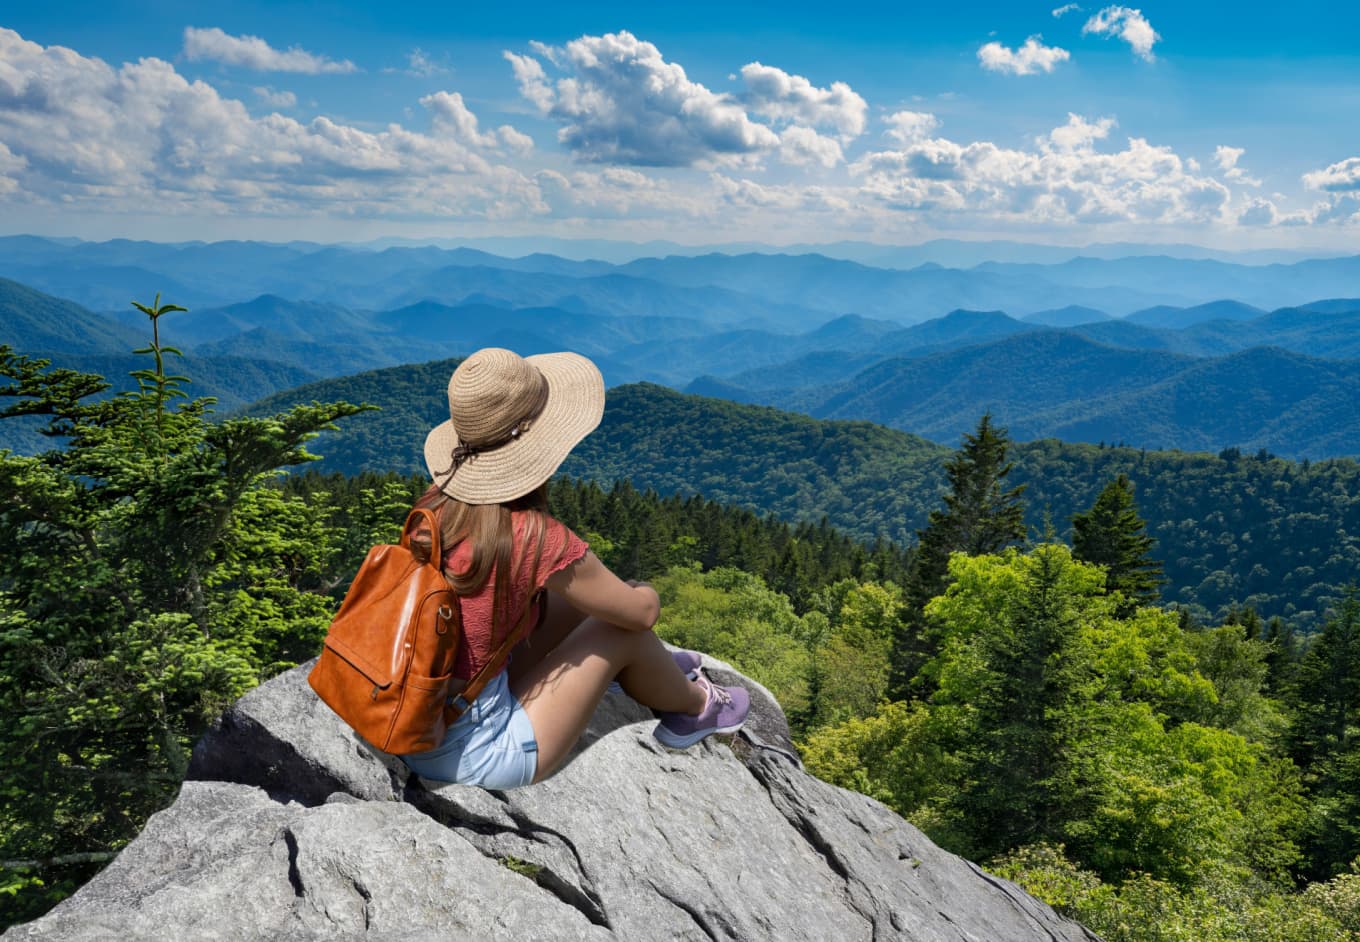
column 674, row 741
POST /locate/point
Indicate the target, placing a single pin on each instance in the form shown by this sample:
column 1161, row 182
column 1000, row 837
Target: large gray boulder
column 291, row 827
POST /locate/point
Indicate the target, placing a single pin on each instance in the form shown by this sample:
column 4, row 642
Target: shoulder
column 553, row 528
column 561, row 545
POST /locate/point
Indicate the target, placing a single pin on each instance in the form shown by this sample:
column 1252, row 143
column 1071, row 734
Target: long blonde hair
column 489, row 530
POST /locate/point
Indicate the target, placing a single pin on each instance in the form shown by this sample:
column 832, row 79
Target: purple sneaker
column 688, row 661
column 725, row 712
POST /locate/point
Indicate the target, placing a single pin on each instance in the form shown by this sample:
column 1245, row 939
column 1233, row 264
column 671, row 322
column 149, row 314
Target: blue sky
column 1227, row 125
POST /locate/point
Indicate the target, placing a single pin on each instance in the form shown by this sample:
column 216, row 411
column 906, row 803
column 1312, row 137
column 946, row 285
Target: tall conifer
column 1111, row 534
column 1324, row 741
column 980, row 516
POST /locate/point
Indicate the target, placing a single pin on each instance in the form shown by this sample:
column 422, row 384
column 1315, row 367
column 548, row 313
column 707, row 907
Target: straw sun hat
column 512, row 421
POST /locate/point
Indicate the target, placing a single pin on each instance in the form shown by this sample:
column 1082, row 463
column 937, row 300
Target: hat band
column 463, row 453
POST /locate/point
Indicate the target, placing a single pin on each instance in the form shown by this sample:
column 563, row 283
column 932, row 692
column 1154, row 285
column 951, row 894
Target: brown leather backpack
column 387, row 664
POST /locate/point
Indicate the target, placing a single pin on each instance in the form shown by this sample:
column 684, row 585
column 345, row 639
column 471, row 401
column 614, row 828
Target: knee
column 606, row 635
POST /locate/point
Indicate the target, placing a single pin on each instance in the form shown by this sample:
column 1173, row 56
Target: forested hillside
column 1064, row 386
column 1234, row 528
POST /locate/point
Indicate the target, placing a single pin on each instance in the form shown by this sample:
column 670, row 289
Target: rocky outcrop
column 290, row 827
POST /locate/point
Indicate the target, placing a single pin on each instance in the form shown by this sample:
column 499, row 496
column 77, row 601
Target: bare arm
column 592, row 588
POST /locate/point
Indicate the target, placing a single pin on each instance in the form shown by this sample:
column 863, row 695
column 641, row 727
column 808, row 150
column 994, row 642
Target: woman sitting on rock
column 512, row 421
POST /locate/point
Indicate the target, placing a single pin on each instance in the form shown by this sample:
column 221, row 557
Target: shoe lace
column 716, row 692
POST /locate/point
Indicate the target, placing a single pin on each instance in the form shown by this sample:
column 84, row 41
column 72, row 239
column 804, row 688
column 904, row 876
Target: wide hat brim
column 573, row 410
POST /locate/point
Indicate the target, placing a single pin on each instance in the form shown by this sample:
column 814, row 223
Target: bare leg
column 562, row 689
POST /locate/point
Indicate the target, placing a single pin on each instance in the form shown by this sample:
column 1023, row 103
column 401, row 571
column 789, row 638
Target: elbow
column 651, row 609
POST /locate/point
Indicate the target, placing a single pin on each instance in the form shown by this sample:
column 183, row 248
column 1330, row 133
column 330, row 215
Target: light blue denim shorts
column 491, row 745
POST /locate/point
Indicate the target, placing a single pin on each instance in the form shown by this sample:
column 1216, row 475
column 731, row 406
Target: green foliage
column 850, row 662
column 148, row 577
column 1278, row 536
column 1220, row 909
column 1063, row 722
column 1325, row 739
column 524, row 868
column 1235, row 659
column 904, row 755
column 411, row 403
column 1111, row 534
column 1014, row 654
column 733, row 616
column 980, row 515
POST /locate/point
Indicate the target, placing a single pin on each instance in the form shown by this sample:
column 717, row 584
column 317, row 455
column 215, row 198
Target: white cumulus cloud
column 1065, row 9
column 804, row 147
column 621, row 193
column 621, row 102
column 1341, row 177
column 141, row 136
column 452, row 118
column 1030, row 58
column 275, row 99
column 1078, row 133
column 10, row 165
column 1064, row 179
column 532, row 80
column 252, row 52
column 1340, row 210
column 515, row 141
column 908, row 127
column 781, row 198
column 1226, row 158
column 1259, row 211
column 1127, row 24
column 783, row 97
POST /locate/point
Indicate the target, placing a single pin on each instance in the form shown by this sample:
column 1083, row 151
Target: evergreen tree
column 1325, row 739
column 1027, row 698
column 1327, row 690
column 980, row 516
column 1282, row 655
column 1111, row 534
column 148, row 576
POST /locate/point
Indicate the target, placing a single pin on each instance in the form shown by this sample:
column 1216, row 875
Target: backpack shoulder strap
column 421, row 518
column 459, row 704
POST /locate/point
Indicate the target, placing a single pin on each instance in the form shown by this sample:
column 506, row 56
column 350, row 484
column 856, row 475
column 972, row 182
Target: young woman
column 512, row 421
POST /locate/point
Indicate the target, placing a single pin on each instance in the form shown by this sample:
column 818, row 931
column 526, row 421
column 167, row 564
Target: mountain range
column 1063, row 385
column 783, row 290
column 1211, row 376
column 1201, row 377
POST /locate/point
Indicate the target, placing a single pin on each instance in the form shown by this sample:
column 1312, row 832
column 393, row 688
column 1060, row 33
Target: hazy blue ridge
column 31, row 322
column 1175, row 317
column 1066, row 385
column 786, row 290
column 1069, row 316
column 931, row 378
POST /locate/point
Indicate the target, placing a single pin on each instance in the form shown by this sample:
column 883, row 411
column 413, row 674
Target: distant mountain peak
column 964, row 314
column 1072, row 315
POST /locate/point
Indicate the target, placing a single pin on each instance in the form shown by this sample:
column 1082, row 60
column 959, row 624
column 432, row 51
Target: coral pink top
column 561, row 548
